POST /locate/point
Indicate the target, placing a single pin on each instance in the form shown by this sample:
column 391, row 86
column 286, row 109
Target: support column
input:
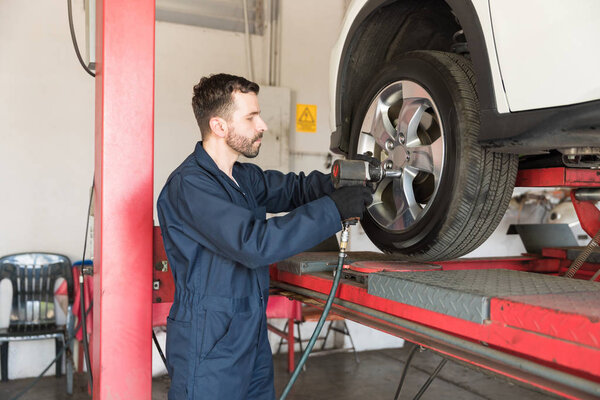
column 122, row 352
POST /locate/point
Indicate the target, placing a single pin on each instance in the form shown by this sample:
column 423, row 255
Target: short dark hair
column 213, row 97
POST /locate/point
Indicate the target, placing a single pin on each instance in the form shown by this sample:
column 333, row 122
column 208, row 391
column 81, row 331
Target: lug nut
column 388, row 164
column 389, row 145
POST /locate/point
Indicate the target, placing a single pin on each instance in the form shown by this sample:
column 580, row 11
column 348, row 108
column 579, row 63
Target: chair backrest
column 282, row 307
column 33, row 276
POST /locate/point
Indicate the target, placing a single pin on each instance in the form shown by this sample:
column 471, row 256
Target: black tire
column 461, row 205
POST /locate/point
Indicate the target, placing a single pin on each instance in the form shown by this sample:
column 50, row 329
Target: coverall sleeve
column 280, row 192
column 209, row 217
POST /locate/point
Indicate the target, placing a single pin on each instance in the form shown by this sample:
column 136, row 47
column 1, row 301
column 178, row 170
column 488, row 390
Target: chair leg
column 299, row 338
column 300, row 343
column 4, row 360
column 285, row 328
column 326, row 335
column 347, row 332
column 69, row 365
column 79, row 356
column 291, row 346
column 58, row 348
column 69, row 373
column 70, row 345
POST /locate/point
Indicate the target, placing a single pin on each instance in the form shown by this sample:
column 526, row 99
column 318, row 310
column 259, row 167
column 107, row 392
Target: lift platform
column 518, row 316
column 514, row 316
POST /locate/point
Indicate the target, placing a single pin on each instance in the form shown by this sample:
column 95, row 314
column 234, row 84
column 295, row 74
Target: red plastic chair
column 282, row 307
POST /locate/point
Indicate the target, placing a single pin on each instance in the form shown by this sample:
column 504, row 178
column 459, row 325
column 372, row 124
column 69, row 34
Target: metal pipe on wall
column 248, row 42
column 274, row 40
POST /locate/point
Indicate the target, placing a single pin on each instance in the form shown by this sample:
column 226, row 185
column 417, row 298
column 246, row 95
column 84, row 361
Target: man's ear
column 219, row 126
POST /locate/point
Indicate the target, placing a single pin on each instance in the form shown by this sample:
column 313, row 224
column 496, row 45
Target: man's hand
column 351, row 201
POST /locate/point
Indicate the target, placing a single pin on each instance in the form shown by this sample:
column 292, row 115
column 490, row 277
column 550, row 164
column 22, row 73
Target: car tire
column 421, row 115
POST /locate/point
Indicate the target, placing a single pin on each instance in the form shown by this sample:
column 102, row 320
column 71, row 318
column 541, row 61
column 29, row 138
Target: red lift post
column 124, row 152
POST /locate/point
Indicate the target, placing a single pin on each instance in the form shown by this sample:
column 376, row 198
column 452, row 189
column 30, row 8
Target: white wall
column 184, row 54
column 309, row 30
column 46, row 130
column 46, row 151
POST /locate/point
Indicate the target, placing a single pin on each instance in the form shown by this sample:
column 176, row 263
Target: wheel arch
column 424, row 25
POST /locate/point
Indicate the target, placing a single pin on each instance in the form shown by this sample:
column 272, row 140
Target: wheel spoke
column 427, row 158
column 412, row 90
column 408, row 120
column 382, row 129
column 380, row 212
column 421, row 159
column 437, row 153
column 407, row 208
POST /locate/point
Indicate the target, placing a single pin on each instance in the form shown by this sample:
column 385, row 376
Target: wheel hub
column 399, row 157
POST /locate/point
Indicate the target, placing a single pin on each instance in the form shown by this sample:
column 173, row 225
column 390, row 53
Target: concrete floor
column 337, row 376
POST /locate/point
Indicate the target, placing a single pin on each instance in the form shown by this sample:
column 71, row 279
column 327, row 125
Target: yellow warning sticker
column 306, row 118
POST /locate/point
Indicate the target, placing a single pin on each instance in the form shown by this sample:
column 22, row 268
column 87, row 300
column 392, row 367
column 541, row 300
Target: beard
column 248, row 147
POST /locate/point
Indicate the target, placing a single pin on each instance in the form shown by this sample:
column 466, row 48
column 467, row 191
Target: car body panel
column 351, row 20
column 522, row 85
column 547, row 51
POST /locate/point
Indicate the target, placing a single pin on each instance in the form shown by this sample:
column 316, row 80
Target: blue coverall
column 219, row 245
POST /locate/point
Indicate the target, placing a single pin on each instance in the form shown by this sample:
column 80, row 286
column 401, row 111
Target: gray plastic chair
column 33, row 317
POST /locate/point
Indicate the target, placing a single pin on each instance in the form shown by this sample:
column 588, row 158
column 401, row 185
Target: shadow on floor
column 335, row 377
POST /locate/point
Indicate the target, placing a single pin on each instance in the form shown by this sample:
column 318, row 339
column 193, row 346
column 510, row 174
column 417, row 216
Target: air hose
column 334, row 286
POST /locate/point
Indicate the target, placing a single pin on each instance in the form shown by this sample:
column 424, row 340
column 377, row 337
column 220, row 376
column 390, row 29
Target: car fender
column 475, row 19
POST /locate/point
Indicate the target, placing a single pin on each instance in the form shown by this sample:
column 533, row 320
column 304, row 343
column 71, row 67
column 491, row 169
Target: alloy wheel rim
column 402, row 128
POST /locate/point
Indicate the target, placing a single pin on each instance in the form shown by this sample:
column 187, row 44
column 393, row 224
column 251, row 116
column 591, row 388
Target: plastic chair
column 296, row 313
column 282, row 307
column 313, row 314
column 33, row 317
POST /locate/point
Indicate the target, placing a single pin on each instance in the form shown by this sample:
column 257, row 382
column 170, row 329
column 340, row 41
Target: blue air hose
column 315, row 335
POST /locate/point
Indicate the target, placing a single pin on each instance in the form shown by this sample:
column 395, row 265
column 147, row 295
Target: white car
column 457, row 94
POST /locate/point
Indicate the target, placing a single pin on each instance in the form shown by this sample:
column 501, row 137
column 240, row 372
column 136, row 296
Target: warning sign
column 306, row 118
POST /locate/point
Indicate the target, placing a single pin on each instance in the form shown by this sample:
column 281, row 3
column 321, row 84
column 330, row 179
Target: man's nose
column 261, row 125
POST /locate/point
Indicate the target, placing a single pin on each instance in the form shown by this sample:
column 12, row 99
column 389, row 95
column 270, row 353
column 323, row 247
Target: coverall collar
column 205, row 161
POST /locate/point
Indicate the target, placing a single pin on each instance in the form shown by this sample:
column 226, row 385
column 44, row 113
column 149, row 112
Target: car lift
column 514, row 316
column 549, row 337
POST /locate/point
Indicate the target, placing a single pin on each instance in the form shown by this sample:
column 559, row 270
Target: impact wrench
column 343, row 173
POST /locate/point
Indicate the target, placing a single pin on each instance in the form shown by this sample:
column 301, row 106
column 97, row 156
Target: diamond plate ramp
column 308, row 262
column 466, row 294
column 570, row 316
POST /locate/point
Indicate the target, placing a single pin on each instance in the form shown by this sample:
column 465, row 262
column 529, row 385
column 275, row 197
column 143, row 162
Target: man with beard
column 219, row 243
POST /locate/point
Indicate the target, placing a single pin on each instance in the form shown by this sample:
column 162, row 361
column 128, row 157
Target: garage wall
column 46, row 130
column 184, row 54
column 309, row 31
column 46, row 151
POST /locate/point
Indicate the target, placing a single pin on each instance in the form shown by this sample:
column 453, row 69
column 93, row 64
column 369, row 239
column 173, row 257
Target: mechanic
column 219, row 243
